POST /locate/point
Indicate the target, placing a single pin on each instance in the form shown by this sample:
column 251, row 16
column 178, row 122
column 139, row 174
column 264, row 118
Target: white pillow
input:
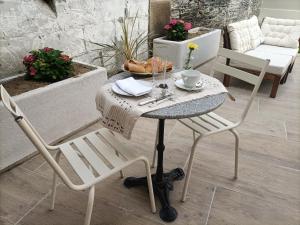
column 245, row 35
column 281, row 32
column 239, row 36
column 256, row 34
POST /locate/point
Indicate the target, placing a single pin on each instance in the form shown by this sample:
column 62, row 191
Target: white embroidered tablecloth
column 119, row 113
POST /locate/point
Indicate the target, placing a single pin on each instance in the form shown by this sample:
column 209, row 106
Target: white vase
column 177, row 51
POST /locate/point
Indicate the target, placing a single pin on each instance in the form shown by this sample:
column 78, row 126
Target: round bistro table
column 163, row 182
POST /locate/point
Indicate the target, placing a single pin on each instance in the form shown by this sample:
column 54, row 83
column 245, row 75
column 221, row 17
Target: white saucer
column 115, row 88
column 179, row 83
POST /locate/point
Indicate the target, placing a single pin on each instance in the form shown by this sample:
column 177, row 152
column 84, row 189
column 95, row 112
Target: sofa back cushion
column 245, row 35
column 281, row 32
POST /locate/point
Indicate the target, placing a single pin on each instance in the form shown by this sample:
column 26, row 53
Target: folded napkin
column 133, row 87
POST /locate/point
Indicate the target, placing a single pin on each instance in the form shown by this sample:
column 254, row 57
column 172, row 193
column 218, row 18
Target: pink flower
column 32, row 71
column 181, row 21
column 173, row 22
column 29, row 59
column 187, row 26
column 46, row 49
column 167, row 27
column 65, row 58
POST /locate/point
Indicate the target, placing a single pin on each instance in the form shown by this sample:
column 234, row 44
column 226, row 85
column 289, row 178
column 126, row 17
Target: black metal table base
column 161, row 190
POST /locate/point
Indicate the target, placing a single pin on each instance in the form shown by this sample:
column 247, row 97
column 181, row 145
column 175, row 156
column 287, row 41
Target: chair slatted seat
column 207, row 123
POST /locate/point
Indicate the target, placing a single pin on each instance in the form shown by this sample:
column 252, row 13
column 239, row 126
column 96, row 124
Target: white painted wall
column 31, row 24
column 286, row 9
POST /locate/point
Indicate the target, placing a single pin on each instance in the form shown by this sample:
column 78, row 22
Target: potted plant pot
column 176, row 51
column 56, row 110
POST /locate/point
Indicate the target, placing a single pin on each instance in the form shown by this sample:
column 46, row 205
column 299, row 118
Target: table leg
column 162, row 182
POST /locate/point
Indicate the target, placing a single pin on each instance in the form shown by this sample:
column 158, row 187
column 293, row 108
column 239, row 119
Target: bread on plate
column 136, row 66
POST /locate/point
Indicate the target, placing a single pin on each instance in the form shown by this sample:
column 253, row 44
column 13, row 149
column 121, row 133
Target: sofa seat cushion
column 245, row 35
column 278, row 63
column 278, row 50
column 281, row 32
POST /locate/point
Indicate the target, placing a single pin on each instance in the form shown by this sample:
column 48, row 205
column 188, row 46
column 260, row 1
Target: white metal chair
column 93, row 157
column 211, row 123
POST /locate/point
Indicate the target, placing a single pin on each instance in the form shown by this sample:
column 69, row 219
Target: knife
column 154, row 100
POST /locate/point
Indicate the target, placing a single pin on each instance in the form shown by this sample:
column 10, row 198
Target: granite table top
column 181, row 110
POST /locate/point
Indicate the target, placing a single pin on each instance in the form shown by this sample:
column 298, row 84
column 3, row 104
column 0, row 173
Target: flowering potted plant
column 177, row 30
column 47, row 64
column 172, row 47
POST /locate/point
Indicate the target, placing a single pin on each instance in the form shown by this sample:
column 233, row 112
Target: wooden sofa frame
column 268, row 76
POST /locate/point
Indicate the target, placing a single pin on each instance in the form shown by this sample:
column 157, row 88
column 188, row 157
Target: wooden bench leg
column 282, row 81
column 285, row 78
column 276, row 82
column 291, row 67
column 226, row 80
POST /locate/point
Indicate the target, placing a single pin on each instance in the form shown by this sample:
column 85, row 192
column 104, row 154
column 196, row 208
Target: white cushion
column 281, row 32
column 245, row 35
column 278, row 50
column 256, row 34
column 278, row 63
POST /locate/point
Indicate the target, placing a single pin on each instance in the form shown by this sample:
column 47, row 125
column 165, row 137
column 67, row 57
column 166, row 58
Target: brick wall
column 214, row 13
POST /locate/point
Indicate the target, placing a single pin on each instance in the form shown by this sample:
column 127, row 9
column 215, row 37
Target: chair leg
column 236, row 156
column 194, row 135
column 276, row 82
column 189, row 170
column 90, row 204
column 121, row 171
column 121, row 174
column 150, row 187
column 154, row 152
column 54, row 183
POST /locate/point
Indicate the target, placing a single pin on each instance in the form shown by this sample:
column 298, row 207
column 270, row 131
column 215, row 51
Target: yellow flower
column 192, row 46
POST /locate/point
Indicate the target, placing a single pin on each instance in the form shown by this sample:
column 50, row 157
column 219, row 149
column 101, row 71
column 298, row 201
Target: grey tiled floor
column 266, row 193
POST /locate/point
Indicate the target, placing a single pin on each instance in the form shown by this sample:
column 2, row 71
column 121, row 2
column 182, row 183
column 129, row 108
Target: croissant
column 146, row 67
column 138, row 68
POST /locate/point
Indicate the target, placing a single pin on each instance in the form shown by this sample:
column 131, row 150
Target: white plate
column 115, row 88
column 179, row 83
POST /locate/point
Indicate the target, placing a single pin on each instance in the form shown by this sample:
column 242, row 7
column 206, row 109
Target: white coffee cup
column 190, row 78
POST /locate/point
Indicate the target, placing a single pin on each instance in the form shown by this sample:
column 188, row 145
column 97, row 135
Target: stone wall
column 32, row 24
column 214, row 13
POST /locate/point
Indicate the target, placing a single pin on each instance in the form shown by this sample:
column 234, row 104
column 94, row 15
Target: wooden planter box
column 177, row 52
column 56, row 110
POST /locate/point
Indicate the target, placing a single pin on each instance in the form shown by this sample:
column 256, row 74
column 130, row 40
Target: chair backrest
column 253, row 79
column 32, row 134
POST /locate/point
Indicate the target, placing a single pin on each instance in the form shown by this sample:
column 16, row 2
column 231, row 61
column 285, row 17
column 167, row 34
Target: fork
column 171, row 98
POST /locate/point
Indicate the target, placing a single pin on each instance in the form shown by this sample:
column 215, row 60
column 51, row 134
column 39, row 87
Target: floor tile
column 293, row 130
column 70, row 209
column 20, row 190
column 232, row 208
column 278, row 184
